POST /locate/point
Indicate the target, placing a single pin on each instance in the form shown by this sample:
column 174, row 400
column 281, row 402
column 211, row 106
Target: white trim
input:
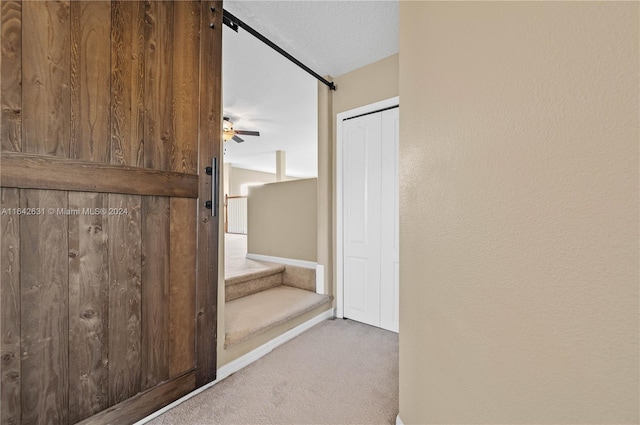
column 339, row 227
column 320, row 279
column 281, row 260
column 398, row 420
column 268, row 347
column 245, row 360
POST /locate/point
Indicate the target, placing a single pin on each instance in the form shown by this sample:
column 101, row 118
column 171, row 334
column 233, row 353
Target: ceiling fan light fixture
column 228, row 132
column 227, row 128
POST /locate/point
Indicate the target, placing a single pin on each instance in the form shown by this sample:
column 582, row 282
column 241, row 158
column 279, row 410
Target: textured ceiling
column 331, row 37
column 264, row 91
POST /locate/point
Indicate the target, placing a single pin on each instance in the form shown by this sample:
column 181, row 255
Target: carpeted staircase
column 260, row 296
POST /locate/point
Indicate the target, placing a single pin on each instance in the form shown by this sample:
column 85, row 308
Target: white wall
column 519, row 212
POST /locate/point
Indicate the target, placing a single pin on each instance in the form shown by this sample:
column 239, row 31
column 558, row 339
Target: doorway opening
column 269, row 189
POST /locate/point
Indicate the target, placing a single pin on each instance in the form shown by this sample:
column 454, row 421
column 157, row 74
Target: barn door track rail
column 234, row 23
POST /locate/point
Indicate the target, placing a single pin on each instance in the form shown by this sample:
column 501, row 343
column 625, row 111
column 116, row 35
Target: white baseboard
column 282, row 260
column 320, row 279
column 244, row 361
column 398, row 420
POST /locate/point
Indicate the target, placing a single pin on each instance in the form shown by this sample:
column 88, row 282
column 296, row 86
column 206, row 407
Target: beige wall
column 240, row 176
column 366, row 85
column 519, row 212
column 282, row 220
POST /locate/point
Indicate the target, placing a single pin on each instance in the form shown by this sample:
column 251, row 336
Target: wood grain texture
column 107, row 104
column 44, row 320
column 155, row 291
column 10, row 412
column 45, row 172
column 186, row 55
column 142, row 405
column 209, row 142
column 11, row 77
column 90, row 80
column 127, row 83
column 88, row 306
column 10, row 140
column 182, row 289
column 183, row 158
column 125, row 277
column 46, row 58
column 158, row 127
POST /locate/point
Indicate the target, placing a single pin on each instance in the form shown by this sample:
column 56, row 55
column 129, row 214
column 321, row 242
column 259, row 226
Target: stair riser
column 253, row 274
column 299, row 277
column 253, row 286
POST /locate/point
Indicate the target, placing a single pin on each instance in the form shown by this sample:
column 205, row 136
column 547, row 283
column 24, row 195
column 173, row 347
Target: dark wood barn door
column 110, row 113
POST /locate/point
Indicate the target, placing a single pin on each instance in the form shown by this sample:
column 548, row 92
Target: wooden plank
column 45, row 172
column 127, row 83
column 186, row 55
column 144, row 404
column 10, row 140
column 46, row 99
column 182, row 290
column 209, row 142
column 11, row 77
column 10, row 413
column 125, row 263
column 44, row 309
column 155, row 291
column 184, row 158
column 88, row 306
column 158, row 128
column 90, row 80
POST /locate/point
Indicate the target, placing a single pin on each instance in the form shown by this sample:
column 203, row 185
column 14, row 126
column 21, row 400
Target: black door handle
column 213, row 172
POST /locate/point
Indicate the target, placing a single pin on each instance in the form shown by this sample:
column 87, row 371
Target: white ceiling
column 264, row 91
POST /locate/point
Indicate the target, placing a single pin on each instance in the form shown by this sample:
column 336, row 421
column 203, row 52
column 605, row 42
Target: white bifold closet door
column 370, row 218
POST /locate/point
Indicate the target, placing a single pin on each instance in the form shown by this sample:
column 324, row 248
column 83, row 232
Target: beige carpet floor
column 236, row 264
column 339, row 372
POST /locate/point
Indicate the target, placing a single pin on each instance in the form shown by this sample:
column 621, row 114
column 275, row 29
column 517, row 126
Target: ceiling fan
column 230, row 133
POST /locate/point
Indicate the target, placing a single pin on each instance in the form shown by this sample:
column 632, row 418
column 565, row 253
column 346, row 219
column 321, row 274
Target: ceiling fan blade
column 237, row 139
column 248, row 133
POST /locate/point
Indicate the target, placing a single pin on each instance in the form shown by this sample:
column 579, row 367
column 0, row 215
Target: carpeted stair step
column 253, row 314
column 255, row 277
